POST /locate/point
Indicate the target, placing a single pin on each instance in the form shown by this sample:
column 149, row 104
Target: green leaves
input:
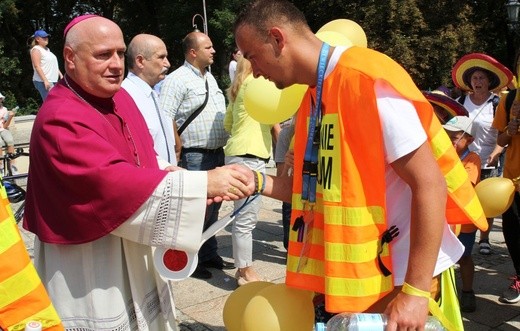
column 426, row 37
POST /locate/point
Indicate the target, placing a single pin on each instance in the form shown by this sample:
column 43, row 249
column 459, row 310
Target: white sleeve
column 402, row 129
column 173, row 216
column 163, row 164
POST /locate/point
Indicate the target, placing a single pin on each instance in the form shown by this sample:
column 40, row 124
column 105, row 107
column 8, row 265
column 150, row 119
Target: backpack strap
column 495, row 101
column 461, row 99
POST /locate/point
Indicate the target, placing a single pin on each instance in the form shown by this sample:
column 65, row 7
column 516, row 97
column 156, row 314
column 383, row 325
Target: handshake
column 233, row 182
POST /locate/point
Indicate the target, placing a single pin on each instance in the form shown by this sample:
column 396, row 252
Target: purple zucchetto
column 76, row 20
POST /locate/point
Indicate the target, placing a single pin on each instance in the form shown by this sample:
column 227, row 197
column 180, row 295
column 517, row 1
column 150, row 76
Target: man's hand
column 230, row 182
column 407, row 312
column 494, row 156
column 172, row 168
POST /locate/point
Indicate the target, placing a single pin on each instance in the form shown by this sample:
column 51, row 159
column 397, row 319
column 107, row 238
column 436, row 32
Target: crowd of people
column 118, row 167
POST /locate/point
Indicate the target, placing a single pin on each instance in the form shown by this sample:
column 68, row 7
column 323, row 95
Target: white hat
column 460, row 123
column 2, row 96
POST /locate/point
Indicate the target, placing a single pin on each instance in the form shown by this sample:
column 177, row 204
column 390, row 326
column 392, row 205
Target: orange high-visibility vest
column 23, row 297
column 341, row 252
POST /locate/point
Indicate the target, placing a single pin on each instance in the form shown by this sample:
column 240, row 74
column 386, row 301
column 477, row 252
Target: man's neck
column 308, row 58
column 201, row 68
column 143, row 78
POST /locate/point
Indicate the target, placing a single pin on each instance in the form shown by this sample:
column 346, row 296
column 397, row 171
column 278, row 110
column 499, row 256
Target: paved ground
column 200, row 303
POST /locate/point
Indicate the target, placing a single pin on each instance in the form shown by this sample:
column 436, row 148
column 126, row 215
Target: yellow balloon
column 350, row 29
column 237, row 302
column 333, row 38
column 279, row 308
column 267, row 104
column 495, row 195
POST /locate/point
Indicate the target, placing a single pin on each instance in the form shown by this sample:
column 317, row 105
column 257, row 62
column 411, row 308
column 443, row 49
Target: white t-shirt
column 402, row 134
column 232, row 70
column 48, row 63
column 485, row 135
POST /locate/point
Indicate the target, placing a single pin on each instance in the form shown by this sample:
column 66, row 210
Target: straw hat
column 447, row 107
column 499, row 75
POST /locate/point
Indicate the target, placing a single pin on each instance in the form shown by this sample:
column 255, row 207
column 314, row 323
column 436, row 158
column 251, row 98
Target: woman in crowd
column 233, row 64
column 44, row 62
column 249, row 144
column 477, row 75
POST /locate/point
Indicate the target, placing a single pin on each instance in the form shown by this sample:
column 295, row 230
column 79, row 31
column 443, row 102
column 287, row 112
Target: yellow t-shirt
column 247, row 136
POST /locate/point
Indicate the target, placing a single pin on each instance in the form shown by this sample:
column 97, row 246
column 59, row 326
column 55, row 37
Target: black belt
column 251, row 156
column 202, row 150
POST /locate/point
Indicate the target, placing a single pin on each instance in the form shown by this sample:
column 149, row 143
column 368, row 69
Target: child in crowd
column 6, row 137
column 461, row 132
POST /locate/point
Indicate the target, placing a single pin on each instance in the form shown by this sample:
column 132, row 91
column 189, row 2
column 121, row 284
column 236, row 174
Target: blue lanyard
column 463, row 156
column 310, row 161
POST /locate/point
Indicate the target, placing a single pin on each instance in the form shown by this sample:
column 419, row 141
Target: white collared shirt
column 159, row 125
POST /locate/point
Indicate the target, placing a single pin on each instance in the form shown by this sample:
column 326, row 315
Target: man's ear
column 277, row 39
column 68, row 57
column 193, row 53
column 139, row 59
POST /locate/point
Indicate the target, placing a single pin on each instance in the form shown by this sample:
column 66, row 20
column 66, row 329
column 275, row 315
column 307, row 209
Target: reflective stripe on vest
column 349, row 216
column 23, row 297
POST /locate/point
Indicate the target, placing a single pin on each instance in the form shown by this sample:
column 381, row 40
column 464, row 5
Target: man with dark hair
column 190, row 95
column 368, row 225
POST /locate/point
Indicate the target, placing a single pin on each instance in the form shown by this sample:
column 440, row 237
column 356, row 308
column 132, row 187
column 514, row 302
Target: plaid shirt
column 182, row 92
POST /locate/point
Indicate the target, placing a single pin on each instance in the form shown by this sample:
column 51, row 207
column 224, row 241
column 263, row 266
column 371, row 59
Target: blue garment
column 40, row 86
column 467, row 239
column 205, row 161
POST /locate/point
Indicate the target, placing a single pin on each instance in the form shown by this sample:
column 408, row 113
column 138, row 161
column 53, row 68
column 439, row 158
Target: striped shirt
column 182, row 92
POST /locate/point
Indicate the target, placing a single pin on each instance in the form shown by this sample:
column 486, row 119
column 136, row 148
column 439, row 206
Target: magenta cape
column 83, row 178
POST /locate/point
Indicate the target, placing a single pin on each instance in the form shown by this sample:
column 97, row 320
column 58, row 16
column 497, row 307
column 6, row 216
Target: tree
column 425, row 37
